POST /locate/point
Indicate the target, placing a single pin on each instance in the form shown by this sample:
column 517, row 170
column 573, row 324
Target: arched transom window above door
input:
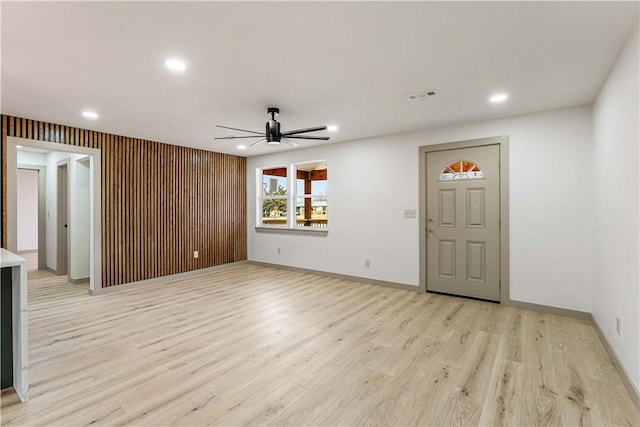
column 461, row 169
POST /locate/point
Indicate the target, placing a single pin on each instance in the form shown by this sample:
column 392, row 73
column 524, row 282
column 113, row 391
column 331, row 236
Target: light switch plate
column 409, row 213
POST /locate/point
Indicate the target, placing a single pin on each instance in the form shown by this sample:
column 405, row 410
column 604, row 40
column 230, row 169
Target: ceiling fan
column 273, row 135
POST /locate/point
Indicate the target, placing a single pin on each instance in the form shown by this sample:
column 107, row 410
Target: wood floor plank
column 540, row 400
column 504, row 398
column 465, row 404
column 251, row 345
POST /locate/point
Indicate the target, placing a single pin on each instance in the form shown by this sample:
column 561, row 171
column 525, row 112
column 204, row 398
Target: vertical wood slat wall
column 160, row 202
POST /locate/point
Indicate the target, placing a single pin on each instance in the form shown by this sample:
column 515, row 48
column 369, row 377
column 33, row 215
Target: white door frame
column 95, row 232
column 503, row 143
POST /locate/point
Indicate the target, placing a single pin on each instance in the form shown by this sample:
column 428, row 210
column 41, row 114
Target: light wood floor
column 253, row 345
column 32, row 259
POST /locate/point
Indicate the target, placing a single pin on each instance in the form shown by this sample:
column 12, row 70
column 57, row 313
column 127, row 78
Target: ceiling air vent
column 422, row 95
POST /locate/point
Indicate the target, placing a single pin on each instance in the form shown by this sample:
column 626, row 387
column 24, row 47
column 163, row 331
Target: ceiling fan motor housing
column 272, row 132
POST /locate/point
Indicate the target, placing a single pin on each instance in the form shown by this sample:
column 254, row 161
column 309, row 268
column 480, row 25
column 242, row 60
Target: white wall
column 31, row 158
column 27, row 209
column 372, row 181
column 617, row 186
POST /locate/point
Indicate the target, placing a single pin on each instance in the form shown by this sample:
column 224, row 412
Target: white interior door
column 463, row 222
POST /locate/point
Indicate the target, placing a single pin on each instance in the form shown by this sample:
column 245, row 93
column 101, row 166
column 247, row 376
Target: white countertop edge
column 9, row 259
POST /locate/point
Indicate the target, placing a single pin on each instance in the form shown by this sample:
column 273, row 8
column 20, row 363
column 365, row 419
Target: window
column 274, row 196
column 299, row 203
column 311, row 195
column 461, row 169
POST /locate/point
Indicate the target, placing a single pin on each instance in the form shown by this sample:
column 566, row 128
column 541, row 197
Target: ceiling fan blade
column 257, row 142
column 291, row 143
column 237, row 137
column 321, row 138
column 314, row 129
column 241, row 130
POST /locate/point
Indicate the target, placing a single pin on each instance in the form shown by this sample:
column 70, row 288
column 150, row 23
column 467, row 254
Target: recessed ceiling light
column 332, row 128
column 498, row 97
column 242, row 147
column 175, row 65
column 18, row 146
column 90, row 114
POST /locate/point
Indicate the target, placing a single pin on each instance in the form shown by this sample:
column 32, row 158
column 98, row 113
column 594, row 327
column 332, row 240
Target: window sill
column 310, row 230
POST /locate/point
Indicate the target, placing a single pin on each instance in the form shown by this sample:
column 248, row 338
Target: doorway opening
column 30, row 207
column 70, row 220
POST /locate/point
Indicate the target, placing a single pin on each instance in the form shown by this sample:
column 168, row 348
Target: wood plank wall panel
column 160, row 202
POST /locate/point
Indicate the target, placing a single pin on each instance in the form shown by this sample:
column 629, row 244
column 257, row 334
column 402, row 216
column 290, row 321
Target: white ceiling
column 345, row 63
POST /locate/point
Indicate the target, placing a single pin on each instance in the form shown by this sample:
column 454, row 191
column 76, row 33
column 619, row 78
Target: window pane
column 319, row 188
column 461, row 169
column 274, row 182
column 311, row 178
column 274, row 211
column 311, row 212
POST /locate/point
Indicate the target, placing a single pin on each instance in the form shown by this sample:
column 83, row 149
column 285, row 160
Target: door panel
column 476, row 265
column 447, row 258
column 463, row 211
column 475, row 207
column 447, row 207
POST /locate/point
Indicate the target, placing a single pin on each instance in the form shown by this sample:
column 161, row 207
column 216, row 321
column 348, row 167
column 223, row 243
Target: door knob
column 430, row 230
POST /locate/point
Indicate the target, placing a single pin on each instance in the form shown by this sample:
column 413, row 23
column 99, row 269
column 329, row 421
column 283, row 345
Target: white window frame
column 291, row 197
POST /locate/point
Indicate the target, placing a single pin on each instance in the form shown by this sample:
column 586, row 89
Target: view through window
column 298, row 204
column 274, row 196
column 311, row 192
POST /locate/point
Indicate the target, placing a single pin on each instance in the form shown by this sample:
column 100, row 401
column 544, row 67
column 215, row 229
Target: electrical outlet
column 196, row 254
column 618, row 325
column 279, row 251
column 367, row 263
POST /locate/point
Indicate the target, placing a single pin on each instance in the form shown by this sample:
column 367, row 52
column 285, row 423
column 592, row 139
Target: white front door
column 463, row 222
